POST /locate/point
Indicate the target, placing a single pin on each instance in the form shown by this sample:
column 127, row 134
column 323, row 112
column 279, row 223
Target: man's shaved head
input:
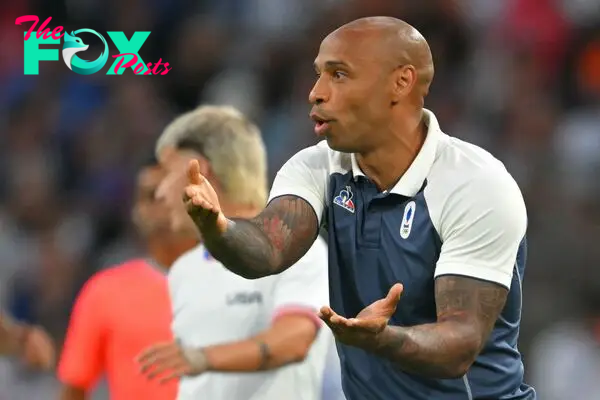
column 398, row 42
column 372, row 73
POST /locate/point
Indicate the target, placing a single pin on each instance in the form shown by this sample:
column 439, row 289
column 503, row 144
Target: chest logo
column 344, row 199
column 407, row 219
column 244, row 298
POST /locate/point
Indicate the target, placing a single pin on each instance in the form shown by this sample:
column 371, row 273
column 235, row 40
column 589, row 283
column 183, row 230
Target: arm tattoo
column 269, row 243
column 467, row 310
column 483, row 301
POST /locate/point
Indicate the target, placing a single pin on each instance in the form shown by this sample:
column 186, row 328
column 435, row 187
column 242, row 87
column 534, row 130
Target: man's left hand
column 363, row 329
column 172, row 361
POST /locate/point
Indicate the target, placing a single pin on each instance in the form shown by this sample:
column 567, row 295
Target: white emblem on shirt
column 407, row 219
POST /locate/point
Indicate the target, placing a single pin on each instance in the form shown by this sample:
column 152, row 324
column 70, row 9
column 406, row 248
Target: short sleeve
column 304, row 288
column 81, row 362
column 305, row 175
column 481, row 227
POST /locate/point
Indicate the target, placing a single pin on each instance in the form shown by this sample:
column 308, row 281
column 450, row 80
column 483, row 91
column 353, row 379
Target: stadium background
column 519, row 77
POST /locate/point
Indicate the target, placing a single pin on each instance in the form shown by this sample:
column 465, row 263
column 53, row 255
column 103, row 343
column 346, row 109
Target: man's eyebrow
column 332, row 64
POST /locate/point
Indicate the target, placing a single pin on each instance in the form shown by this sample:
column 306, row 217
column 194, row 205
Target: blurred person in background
column 236, row 338
column 123, row 309
column 30, row 343
column 565, row 359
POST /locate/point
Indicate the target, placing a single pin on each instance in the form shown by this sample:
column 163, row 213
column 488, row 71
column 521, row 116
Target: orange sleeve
column 82, row 359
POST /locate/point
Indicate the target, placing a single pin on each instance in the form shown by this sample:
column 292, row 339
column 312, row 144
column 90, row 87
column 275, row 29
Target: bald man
column 409, row 211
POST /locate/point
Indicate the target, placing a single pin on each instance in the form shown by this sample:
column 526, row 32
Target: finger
column 372, row 325
column 46, row 356
column 194, row 175
column 334, row 327
column 167, row 364
column 154, row 350
column 157, row 358
column 325, row 312
column 147, row 353
column 176, row 374
column 190, row 192
column 339, row 320
column 40, row 353
column 200, row 201
column 394, row 294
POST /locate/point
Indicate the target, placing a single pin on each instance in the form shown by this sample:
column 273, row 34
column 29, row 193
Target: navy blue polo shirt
column 455, row 211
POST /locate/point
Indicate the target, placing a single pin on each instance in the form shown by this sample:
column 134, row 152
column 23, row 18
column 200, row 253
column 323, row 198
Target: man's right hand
column 202, row 203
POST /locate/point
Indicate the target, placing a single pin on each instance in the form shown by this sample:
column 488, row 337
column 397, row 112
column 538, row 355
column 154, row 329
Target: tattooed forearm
column 268, row 243
column 467, row 310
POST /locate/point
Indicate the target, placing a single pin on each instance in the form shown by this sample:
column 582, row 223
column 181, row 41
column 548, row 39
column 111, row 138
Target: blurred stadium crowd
column 519, row 77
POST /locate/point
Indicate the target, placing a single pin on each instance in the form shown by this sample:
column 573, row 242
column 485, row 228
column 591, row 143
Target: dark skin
column 372, row 77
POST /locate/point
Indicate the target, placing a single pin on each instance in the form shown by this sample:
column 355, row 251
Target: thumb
column 194, row 175
column 394, row 294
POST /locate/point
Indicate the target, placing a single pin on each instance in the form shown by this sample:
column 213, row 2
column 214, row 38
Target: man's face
column 352, row 96
column 149, row 214
column 171, row 189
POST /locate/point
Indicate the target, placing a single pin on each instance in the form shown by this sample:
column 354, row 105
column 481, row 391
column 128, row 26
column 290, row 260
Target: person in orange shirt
column 124, row 309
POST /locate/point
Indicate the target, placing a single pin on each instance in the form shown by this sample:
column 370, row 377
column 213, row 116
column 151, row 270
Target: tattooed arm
column 482, row 228
column 467, row 310
column 269, row 243
column 284, row 231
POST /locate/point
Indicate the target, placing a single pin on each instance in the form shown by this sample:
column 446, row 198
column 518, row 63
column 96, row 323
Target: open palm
column 371, row 321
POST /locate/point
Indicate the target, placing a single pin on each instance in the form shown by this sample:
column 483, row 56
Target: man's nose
column 161, row 193
column 319, row 93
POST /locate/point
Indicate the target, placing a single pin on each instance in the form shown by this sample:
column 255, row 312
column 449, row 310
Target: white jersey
column 212, row 305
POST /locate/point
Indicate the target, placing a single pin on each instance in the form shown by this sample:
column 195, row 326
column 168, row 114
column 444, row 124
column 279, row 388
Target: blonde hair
column 231, row 143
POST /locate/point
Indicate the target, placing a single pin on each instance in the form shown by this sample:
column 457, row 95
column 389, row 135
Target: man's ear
column 404, row 80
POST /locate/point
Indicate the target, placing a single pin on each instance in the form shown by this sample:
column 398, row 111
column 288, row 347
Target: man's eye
column 339, row 74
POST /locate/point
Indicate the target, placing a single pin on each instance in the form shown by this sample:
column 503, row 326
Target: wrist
column 218, row 230
column 380, row 339
column 390, row 336
column 197, row 359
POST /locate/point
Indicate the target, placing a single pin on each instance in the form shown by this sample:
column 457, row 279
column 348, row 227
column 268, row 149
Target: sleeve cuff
column 482, row 273
column 300, row 310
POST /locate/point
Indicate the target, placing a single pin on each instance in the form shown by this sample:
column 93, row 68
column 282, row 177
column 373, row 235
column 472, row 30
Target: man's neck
column 386, row 164
column 164, row 251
